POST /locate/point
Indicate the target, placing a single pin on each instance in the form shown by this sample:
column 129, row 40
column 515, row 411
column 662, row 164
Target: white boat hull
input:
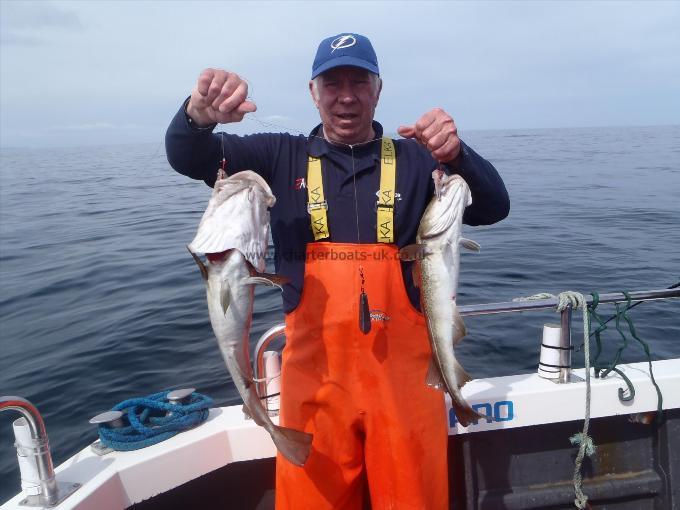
column 121, row 479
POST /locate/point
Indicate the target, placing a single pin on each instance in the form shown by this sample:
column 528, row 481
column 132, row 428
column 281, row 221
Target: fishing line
column 155, row 154
column 364, row 308
column 356, row 203
column 223, row 163
column 254, row 118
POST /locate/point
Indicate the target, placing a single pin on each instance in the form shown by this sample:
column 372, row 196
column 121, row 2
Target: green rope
column 603, row 369
column 627, row 394
column 603, row 323
column 645, row 347
column 619, row 351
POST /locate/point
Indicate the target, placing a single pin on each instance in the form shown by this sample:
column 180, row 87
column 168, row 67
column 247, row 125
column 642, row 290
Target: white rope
column 586, row 446
column 535, row 297
column 585, row 442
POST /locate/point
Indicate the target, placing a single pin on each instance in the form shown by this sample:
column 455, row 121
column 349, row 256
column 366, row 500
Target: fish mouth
column 217, row 257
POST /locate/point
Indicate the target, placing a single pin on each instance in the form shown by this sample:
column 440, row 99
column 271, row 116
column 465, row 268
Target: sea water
column 100, row 301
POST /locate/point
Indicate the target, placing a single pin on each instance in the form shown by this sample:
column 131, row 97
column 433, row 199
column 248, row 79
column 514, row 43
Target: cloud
column 9, row 38
column 95, row 126
column 28, row 23
column 96, row 66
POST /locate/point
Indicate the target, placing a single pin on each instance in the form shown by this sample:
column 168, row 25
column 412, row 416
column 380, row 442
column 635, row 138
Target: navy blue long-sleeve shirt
column 282, row 159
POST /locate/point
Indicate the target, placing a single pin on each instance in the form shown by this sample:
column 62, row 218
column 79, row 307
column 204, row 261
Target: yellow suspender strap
column 316, row 204
column 388, row 171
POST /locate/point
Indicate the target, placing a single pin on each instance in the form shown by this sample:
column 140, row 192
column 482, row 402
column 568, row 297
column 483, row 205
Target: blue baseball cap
column 345, row 50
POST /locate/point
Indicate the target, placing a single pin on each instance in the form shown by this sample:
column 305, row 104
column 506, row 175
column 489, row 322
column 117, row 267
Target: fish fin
column 225, row 297
column 293, row 444
column 415, row 271
column 268, row 279
column 200, row 264
column 469, row 244
column 247, row 412
column 258, row 280
column 459, row 329
column 414, row 252
column 434, row 377
column 276, row 279
column 462, row 377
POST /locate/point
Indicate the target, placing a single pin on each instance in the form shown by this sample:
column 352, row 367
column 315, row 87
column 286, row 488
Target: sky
column 82, row 73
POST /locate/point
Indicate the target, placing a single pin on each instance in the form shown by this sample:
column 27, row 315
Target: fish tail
column 434, row 377
column 293, row 444
column 464, row 413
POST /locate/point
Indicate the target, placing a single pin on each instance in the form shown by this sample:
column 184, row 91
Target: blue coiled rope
column 148, row 423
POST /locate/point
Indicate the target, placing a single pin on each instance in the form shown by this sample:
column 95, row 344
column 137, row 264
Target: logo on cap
column 344, row 41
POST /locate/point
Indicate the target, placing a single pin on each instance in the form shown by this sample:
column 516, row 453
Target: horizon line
column 391, row 134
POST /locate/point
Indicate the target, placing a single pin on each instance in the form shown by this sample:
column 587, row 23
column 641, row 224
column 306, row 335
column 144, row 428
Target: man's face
column 346, row 98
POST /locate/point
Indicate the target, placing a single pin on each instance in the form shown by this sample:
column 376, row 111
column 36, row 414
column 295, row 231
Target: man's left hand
column 436, row 131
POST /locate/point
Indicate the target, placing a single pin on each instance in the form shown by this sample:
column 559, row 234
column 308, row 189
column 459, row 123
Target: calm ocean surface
column 100, row 301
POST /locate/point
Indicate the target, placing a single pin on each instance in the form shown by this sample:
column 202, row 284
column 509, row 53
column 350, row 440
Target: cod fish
column 435, row 271
column 233, row 234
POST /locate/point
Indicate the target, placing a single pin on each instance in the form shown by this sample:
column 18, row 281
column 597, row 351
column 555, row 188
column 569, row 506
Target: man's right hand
column 219, row 97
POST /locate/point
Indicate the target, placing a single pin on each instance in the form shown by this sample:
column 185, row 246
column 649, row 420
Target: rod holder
column 272, row 383
column 267, row 337
column 549, row 361
column 565, row 345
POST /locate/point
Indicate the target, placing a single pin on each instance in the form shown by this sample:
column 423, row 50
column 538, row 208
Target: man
column 347, row 200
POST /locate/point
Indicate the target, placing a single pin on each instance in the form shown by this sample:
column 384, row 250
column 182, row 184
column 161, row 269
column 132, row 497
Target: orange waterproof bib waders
column 362, row 396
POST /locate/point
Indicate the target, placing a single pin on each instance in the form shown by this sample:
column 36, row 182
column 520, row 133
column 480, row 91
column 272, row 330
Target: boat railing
column 565, row 345
column 35, row 460
column 265, row 340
